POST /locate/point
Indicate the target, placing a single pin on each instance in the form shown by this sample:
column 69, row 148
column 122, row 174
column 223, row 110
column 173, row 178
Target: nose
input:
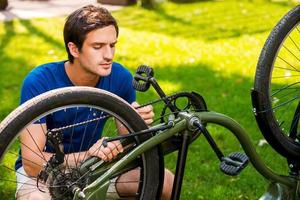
column 108, row 53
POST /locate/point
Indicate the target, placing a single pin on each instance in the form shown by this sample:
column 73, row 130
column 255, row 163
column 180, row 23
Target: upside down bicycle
column 276, row 106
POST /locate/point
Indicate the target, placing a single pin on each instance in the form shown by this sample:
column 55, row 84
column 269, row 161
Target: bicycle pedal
column 141, row 78
column 233, row 164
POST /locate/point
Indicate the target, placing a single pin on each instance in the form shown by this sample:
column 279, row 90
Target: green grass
column 208, row 47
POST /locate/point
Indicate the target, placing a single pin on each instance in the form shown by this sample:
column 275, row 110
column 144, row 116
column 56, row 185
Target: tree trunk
column 3, row 4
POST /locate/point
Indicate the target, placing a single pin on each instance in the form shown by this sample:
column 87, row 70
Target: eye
column 112, row 45
column 97, row 47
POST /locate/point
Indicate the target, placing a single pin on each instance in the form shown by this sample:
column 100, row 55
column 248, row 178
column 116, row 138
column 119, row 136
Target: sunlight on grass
column 170, row 87
column 208, row 47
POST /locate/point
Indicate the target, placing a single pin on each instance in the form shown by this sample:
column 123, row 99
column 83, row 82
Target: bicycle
column 181, row 123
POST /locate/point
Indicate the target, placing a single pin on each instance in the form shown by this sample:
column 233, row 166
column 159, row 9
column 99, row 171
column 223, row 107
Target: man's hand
column 106, row 153
column 145, row 112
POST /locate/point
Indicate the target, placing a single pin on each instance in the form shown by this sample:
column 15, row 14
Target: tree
column 3, row 4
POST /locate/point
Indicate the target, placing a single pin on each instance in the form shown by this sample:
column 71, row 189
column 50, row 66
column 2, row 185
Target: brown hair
column 84, row 20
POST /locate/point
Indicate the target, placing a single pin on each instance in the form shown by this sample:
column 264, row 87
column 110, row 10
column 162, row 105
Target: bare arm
column 33, row 141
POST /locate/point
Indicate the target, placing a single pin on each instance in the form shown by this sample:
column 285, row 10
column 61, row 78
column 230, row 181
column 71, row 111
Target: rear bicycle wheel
column 277, row 86
column 93, row 108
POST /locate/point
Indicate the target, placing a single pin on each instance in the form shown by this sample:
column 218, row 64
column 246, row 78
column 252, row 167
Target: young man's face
column 98, row 49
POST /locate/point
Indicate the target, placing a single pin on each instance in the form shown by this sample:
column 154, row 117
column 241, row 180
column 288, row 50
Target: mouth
column 105, row 65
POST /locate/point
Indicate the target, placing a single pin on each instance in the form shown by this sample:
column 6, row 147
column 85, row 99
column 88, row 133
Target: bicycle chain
column 78, row 124
column 104, row 117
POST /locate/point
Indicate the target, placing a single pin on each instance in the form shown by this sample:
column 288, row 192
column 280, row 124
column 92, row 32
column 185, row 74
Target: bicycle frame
column 281, row 187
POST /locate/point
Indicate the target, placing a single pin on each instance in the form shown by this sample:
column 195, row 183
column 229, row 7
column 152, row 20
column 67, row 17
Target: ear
column 73, row 49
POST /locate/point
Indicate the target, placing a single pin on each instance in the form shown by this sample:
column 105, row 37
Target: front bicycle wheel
column 277, row 88
column 92, row 111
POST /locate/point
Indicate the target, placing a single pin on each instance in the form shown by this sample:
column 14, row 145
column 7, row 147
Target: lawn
column 208, row 47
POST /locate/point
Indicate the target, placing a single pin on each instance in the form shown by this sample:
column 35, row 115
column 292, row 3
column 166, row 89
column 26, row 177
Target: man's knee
column 127, row 184
column 131, row 179
column 25, row 194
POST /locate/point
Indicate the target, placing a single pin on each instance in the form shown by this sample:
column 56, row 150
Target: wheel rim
column 7, row 176
column 284, row 86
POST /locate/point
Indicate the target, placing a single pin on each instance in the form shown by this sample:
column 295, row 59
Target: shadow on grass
column 14, row 67
column 7, row 75
column 46, row 37
column 210, row 21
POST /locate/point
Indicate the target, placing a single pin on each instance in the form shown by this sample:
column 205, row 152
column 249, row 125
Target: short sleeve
column 130, row 94
column 32, row 87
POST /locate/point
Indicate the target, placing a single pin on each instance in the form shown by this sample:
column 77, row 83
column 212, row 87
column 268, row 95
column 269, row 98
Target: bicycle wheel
column 103, row 109
column 276, row 101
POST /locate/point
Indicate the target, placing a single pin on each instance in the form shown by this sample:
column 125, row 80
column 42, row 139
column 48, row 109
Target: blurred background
column 211, row 47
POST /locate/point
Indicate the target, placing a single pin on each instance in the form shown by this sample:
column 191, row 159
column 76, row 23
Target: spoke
column 286, row 102
column 32, row 188
column 288, row 63
column 36, row 145
column 111, row 123
column 33, row 151
column 25, row 194
column 71, row 141
column 286, row 87
column 83, row 137
column 284, row 68
column 25, row 183
column 276, row 91
column 282, row 114
column 94, row 132
column 294, row 43
column 290, row 52
column 44, row 131
column 25, row 159
column 16, row 172
column 117, row 128
column 277, row 77
column 287, row 92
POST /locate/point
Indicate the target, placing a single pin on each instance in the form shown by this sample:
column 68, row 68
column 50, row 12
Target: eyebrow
column 101, row 43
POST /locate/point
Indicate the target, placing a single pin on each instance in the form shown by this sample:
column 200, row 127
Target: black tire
column 11, row 126
column 277, row 87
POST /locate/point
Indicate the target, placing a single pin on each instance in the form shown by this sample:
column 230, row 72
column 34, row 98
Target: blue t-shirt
column 52, row 76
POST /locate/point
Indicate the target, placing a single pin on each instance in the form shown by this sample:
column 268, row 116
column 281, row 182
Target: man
column 90, row 36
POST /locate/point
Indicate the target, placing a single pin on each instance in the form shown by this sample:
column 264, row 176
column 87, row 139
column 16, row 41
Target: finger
column 147, row 116
column 97, row 153
column 145, row 109
column 119, row 146
column 101, row 155
column 107, row 152
column 149, row 121
column 135, row 104
column 113, row 149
